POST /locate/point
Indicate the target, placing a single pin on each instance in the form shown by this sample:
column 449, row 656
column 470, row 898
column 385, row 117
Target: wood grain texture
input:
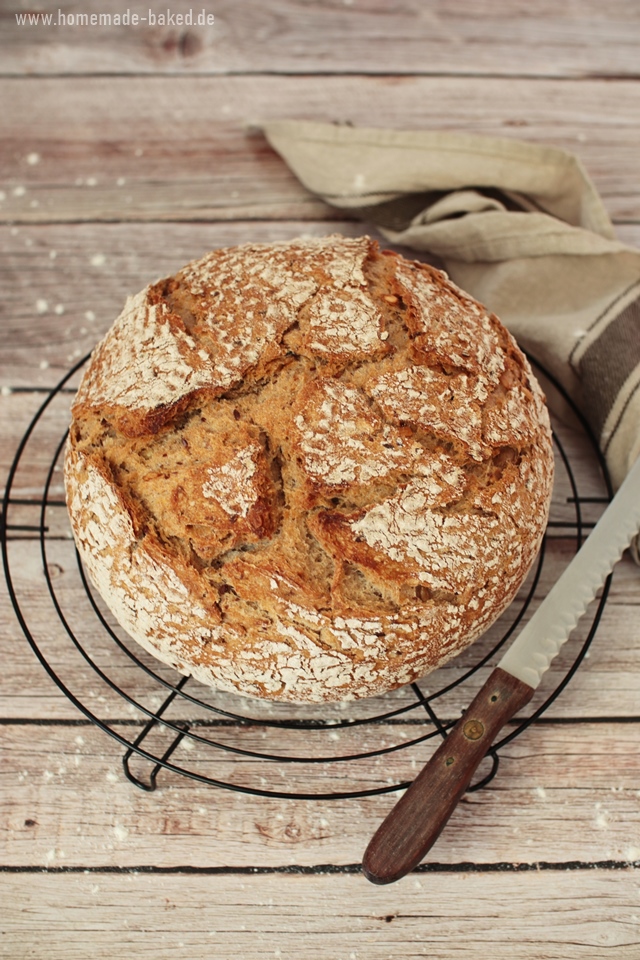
column 123, row 155
column 556, row 915
column 293, row 36
column 18, row 407
column 176, row 148
column 607, row 683
column 64, row 284
column 562, row 794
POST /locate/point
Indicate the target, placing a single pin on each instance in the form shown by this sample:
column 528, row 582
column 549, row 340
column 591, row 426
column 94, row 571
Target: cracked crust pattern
column 309, row 470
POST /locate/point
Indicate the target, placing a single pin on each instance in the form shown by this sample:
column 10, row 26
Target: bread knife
column 416, row 821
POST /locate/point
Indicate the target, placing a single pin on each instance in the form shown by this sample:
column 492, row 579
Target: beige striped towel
column 521, row 227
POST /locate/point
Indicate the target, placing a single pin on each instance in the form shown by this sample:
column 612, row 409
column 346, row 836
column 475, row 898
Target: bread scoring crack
column 325, row 449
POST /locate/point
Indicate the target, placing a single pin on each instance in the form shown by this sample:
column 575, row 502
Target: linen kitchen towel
column 521, row 227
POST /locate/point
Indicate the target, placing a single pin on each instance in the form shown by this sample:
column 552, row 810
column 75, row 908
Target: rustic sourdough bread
column 307, row 470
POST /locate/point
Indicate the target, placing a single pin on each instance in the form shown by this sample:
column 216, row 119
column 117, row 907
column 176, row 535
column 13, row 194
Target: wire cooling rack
column 170, row 724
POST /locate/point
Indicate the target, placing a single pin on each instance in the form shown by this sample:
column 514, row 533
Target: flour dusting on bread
column 307, row 470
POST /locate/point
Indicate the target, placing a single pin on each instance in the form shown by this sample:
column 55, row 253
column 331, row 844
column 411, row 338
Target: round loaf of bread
column 308, row 470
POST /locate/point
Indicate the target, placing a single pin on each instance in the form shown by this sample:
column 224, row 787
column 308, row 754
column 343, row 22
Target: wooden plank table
column 125, row 152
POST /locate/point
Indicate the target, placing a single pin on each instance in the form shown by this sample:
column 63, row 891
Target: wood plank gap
column 70, row 390
column 145, row 221
column 206, row 724
column 24, row 502
column 34, row 539
column 329, row 868
column 341, row 216
column 329, row 74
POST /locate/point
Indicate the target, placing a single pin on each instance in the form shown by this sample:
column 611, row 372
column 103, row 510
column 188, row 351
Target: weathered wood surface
column 124, row 153
column 563, row 794
column 563, row 915
column 367, row 36
column 607, row 683
column 51, row 416
column 64, row 284
column 608, row 679
column 176, row 148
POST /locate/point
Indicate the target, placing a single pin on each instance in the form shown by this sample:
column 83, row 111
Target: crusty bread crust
column 307, row 471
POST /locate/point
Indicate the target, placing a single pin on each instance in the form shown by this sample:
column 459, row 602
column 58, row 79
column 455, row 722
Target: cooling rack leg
column 179, row 727
column 151, row 784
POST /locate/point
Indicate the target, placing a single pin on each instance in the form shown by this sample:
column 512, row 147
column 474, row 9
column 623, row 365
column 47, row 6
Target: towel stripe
column 608, row 363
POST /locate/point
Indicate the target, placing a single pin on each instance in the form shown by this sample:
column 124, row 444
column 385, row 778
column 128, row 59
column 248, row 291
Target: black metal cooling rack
column 172, row 723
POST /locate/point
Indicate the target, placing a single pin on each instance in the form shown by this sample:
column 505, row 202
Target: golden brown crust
column 307, row 470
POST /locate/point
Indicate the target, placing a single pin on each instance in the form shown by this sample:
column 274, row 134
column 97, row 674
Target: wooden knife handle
column 416, row 821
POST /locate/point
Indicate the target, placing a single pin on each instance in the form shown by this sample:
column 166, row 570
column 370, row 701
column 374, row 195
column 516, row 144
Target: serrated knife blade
column 531, row 653
column 417, row 819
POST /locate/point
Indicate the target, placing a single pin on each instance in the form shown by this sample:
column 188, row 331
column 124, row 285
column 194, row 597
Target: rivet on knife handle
column 418, row 818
